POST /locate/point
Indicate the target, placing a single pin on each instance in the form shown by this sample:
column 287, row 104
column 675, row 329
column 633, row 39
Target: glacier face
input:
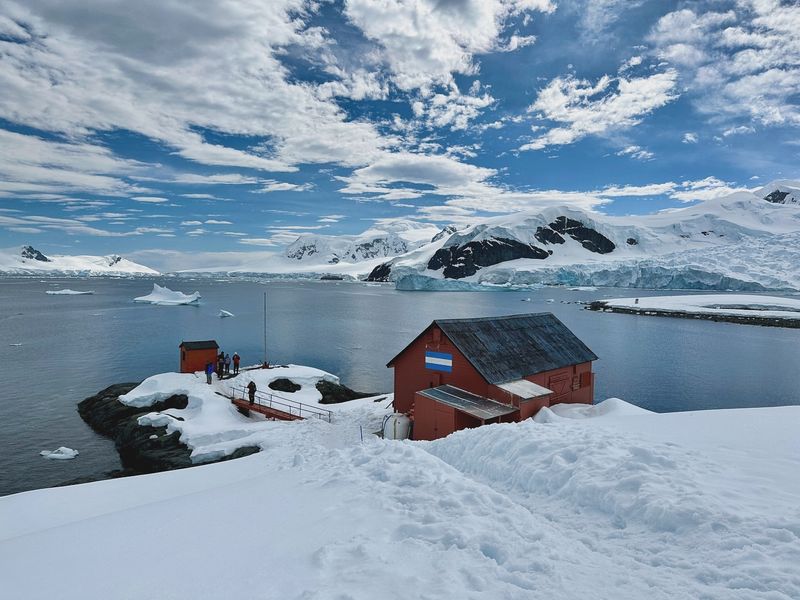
column 744, row 242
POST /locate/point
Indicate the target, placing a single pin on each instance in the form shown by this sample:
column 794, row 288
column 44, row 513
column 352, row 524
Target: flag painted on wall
column 438, row 361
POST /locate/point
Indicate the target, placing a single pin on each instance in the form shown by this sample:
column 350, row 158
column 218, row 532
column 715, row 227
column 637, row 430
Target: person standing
column 236, row 359
column 209, row 371
column 220, row 365
column 227, row 364
column 251, row 392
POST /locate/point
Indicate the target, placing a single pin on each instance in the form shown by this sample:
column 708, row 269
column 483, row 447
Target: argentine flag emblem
column 438, row 361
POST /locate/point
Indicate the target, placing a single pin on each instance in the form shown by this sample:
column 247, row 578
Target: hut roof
column 467, row 402
column 504, row 349
column 202, row 345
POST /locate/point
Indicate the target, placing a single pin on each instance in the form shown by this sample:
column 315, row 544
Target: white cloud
column 425, row 42
column 150, row 199
column 741, row 66
column 270, row 185
column 636, row 152
column 690, row 138
column 217, row 222
column 583, row 108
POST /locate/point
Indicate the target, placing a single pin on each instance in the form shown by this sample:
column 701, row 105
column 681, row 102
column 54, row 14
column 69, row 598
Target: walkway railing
column 282, row 404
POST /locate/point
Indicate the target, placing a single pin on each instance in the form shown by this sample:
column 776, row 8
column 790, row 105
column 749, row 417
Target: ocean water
column 57, row 350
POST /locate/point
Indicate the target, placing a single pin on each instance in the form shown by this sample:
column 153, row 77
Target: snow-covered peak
column 30, row 261
column 781, row 192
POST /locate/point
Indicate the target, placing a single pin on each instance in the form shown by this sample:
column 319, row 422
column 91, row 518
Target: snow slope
column 740, row 242
column 608, row 503
column 29, row 261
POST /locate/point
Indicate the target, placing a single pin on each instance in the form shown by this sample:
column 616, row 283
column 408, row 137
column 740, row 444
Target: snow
column 224, row 313
column 597, row 502
column 68, row 292
column 12, row 262
column 61, row 453
column 211, row 426
column 739, row 305
column 163, row 296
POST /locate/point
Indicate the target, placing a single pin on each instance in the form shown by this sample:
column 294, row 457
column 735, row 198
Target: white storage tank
column 396, row 426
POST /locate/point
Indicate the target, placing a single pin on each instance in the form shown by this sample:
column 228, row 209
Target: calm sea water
column 73, row 346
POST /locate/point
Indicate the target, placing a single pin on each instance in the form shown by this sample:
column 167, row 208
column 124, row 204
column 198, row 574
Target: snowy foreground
column 163, row 296
column 735, row 305
column 607, row 501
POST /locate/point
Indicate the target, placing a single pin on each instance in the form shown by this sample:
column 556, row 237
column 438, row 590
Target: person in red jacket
column 236, row 359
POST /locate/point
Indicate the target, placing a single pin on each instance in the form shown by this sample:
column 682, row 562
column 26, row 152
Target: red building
column 461, row 373
column 196, row 355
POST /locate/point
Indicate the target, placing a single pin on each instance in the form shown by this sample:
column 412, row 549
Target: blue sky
column 237, row 126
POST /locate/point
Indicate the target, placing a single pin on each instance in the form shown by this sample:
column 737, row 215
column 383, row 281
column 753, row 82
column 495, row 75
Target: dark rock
column 380, row 273
column 590, row 239
column 547, row 236
column 465, row 260
column 33, row 253
column 284, row 385
column 776, row 197
column 330, row 277
column 334, row 393
column 631, row 241
column 104, row 413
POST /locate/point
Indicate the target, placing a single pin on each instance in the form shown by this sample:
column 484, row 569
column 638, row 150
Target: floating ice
column 61, row 453
column 163, row 296
column 224, row 313
column 69, row 292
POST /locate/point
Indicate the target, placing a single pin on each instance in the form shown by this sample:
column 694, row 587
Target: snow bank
column 164, row 296
column 68, row 292
column 62, row 453
column 623, row 504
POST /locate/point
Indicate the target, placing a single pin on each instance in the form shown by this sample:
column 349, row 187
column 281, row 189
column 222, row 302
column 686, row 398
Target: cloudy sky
column 237, row 125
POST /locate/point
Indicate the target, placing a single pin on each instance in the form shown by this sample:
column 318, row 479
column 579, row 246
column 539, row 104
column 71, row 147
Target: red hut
column 196, row 355
column 461, row 373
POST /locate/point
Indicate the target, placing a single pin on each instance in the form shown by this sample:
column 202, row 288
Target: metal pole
column 265, row 327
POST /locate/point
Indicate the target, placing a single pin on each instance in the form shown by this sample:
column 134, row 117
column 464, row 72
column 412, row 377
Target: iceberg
column 163, row 296
column 61, row 453
column 68, row 292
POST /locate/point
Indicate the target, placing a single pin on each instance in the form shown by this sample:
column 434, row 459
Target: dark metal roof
column 467, row 402
column 203, row 345
column 507, row 348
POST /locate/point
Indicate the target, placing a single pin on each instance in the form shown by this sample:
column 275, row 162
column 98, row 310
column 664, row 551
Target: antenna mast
column 265, row 328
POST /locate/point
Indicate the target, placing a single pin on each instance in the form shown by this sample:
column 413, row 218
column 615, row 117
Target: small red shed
column 196, row 355
column 461, row 373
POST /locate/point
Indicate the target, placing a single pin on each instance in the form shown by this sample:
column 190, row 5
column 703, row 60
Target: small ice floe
column 16, row 345
column 224, row 313
column 163, row 296
column 62, row 453
column 526, row 299
column 69, row 292
column 550, row 300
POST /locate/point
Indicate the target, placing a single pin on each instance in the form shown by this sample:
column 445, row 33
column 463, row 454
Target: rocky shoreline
column 603, row 306
column 145, row 449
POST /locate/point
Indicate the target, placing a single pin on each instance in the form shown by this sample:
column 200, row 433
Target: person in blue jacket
column 209, row 371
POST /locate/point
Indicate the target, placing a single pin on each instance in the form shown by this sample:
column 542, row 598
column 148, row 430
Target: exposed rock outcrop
column 590, row 239
column 34, row 254
column 465, row 260
column 381, row 272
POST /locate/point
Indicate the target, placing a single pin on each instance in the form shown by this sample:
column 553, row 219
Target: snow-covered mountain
column 747, row 240
column 30, row 261
column 391, row 238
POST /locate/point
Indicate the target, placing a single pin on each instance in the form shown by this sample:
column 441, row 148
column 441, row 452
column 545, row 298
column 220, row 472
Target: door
column 561, row 384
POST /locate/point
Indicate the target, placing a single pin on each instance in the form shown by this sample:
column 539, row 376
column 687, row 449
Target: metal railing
column 283, row 404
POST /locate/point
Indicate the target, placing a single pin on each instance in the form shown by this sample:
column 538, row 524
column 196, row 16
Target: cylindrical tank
column 396, row 426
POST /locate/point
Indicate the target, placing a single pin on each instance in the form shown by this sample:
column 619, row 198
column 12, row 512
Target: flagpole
column 265, row 328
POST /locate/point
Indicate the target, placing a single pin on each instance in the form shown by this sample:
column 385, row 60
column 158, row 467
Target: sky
column 183, row 127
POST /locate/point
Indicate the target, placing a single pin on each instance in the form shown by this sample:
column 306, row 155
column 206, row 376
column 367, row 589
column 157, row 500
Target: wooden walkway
column 270, row 412
column 275, row 406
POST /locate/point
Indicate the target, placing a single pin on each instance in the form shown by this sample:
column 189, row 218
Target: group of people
column 223, row 366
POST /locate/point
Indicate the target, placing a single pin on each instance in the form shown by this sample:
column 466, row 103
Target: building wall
column 196, row 360
column 411, row 375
